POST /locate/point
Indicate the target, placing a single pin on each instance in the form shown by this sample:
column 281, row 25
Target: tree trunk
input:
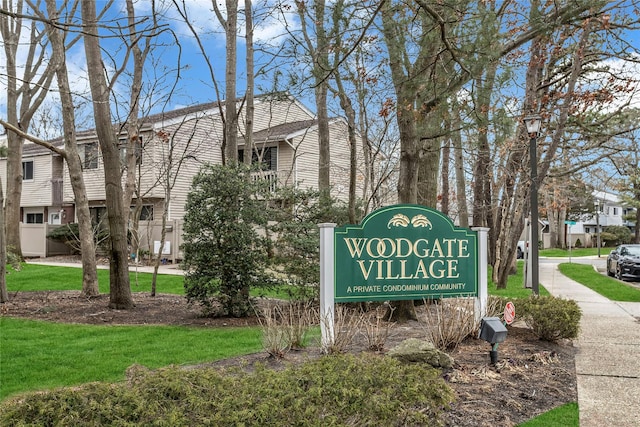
column 24, row 96
column 120, row 290
column 13, row 212
column 250, row 108
column 320, row 70
column 428, row 171
column 231, row 107
column 444, row 198
column 12, row 215
column 461, row 182
column 134, row 141
column 87, row 245
column 347, row 107
column 4, row 295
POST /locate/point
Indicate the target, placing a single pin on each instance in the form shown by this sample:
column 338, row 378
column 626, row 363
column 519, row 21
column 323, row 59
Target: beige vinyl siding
column 307, row 159
column 38, row 191
column 287, row 172
column 340, row 160
column 93, row 179
column 199, row 142
column 197, row 138
column 272, row 114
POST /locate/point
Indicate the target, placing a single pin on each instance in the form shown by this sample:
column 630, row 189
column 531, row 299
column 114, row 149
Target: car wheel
column 609, row 272
column 618, row 273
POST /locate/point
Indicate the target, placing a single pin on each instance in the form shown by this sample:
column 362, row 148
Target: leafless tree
column 25, row 93
column 120, row 291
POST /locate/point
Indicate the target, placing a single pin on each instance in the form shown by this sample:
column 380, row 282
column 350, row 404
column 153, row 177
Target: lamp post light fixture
column 598, row 225
column 533, row 123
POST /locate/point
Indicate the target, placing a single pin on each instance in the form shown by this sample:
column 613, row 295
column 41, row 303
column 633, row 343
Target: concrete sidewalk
column 608, row 358
column 163, row 269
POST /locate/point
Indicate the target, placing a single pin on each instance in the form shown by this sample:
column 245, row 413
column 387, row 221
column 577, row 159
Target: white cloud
column 620, row 76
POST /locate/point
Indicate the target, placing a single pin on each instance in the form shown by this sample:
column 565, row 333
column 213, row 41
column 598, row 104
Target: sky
column 178, row 44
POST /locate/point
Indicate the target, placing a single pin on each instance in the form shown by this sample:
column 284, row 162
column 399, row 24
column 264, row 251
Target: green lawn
column 575, row 252
column 566, row 415
column 515, row 285
column 39, row 355
column 606, row 286
column 34, row 277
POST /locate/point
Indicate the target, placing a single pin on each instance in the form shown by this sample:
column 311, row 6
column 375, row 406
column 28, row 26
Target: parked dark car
column 624, row 262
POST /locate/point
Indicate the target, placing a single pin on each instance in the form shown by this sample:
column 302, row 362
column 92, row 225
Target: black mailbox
column 492, row 330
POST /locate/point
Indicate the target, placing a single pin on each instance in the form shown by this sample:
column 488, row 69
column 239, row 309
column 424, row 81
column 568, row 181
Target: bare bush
column 347, row 323
column 449, row 321
column 377, row 327
column 274, row 336
column 298, row 318
column 284, row 326
column 495, row 306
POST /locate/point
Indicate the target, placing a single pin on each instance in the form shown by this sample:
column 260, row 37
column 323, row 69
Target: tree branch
column 29, row 137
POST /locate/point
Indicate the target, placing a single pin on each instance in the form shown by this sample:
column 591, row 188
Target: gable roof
column 275, row 133
column 283, row 131
column 169, row 116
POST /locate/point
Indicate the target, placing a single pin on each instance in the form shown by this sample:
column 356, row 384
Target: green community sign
column 404, row 252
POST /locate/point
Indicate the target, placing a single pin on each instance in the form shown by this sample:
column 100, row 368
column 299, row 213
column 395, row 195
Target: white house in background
column 611, row 211
column 285, row 134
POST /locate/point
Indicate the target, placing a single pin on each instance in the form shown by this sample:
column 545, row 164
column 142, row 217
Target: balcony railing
column 271, row 177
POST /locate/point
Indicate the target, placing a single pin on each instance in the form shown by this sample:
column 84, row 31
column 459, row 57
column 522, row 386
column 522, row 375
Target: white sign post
column 483, row 292
column 327, row 285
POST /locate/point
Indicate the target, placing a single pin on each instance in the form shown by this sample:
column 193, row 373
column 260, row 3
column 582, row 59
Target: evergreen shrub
column 337, row 390
column 550, row 318
column 225, row 255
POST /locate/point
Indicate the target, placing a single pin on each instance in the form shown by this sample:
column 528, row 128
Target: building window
column 27, row 170
column 91, row 156
column 615, row 211
column 146, row 214
column 34, row 218
column 267, row 157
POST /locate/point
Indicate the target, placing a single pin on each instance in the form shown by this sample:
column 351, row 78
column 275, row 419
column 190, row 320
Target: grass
column 39, row 355
column 515, row 287
column 563, row 416
column 34, row 277
column 604, row 285
column 575, row 252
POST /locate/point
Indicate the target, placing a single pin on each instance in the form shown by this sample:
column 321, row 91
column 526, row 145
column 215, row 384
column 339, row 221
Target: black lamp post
column 533, row 128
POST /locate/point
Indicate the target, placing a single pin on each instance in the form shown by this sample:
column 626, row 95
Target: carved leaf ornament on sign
column 404, row 252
